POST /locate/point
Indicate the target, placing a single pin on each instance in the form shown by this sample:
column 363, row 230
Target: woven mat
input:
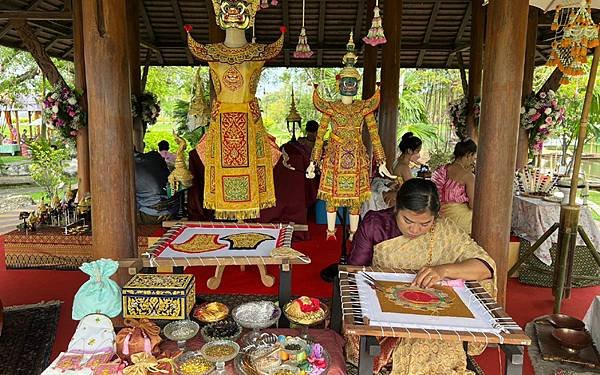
column 27, row 338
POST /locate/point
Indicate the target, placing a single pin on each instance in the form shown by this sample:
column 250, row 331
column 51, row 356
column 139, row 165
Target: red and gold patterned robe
column 345, row 178
column 237, row 152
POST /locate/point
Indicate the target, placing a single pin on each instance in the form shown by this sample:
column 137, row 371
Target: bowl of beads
column 256, row 316
column 219, row 352
column 193, row 363
column 223, row 330
column 181, row 331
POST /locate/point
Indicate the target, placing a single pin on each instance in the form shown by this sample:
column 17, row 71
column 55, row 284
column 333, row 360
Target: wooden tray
column 551, row 350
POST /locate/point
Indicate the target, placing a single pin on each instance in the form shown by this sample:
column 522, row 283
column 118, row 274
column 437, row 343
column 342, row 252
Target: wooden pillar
column 390, row 78
column 110, row 135
column 83, row 148
column 503, row 66
column 215, row 35
column 530, row 46
column 133, row 50
column 475, row 63
column 369, row 74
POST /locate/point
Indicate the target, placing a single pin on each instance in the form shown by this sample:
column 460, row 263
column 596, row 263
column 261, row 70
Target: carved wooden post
column 83, row 148
column 133, row 50
column 531, row 42
column 390, row 78
column 475, row 63
column 503, row 66
column 110, row 135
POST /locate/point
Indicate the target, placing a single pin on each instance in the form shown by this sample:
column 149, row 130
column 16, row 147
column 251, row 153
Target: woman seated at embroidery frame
column 411, row 236
column 456, row 185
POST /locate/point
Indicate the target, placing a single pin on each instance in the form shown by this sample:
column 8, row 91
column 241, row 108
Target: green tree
column 46, row 168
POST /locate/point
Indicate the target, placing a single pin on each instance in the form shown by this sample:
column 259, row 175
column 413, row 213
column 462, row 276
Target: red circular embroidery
column 416, row 296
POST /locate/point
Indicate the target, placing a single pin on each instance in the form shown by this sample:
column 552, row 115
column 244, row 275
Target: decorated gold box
column 159, row 296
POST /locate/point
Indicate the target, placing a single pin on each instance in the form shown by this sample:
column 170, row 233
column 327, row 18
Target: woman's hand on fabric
column 429, row 276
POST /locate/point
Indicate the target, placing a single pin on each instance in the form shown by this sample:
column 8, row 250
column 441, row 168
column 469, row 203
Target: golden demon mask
column 349, row 75
column 238, row 14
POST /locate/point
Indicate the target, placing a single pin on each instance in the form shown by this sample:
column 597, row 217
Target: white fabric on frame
column 263, row 250
column 483, row 321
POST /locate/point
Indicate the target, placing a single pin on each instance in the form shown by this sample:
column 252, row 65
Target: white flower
column 532, row 112
column 55, row 108
column 522, row 110
column 548, row 111
column 54, row 96
column 72, row 101
column 543, row 95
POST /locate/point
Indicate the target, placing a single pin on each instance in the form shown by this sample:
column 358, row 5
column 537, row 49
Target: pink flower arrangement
column 62, row 111
column 540, row 114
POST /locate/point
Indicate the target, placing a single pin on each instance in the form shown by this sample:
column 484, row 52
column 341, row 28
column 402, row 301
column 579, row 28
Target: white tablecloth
column 531, row 218
column 592, row 320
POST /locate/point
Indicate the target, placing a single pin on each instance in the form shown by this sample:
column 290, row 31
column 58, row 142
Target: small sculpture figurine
column 180, row 178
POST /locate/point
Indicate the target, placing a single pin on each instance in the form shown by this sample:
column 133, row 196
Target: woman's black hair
column 464, row 148
column 418, row 195
column 409, row 142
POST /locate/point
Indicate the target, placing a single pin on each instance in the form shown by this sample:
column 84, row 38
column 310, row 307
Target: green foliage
column 46, row 167
column 170, row 84
column 439, row 155
column 152, row 138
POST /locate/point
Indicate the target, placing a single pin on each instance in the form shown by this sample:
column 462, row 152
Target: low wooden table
column 355, row 323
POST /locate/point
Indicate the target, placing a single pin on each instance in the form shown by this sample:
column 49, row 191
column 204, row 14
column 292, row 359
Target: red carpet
column 24, row 287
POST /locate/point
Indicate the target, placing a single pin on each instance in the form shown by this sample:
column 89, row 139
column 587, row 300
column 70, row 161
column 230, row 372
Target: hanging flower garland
column 540, row 115
column 302, row 48
column 458, row 111
column 376, row 35
column 146, row 107
column 62, row 111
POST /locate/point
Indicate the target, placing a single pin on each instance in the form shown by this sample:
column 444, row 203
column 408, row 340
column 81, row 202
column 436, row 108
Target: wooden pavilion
column 113, row 42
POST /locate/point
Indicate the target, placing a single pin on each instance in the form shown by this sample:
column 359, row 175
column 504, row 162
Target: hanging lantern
column 569, row 51
column 293, row 119
column 375, row 36
column 302, row 48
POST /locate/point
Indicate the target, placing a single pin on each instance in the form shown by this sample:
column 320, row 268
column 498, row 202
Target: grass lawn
column 11, row 159
column 595, row 197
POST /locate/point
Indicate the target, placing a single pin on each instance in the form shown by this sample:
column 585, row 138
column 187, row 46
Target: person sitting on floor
column 151, row 174
column 411, row 236
column 456, row 185
column 309, row 139
column 163, row 150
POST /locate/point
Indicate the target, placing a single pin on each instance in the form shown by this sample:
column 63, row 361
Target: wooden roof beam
column 147, row 23
column 182, row 33
column 359, row 18
column 35, row 15
column 8, row 27
column 427, row 37
column 321, row 33
column 155, row 49
column 461, row 31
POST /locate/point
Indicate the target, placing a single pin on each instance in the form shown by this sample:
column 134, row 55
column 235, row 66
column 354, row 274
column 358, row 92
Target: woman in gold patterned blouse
column 410, row 236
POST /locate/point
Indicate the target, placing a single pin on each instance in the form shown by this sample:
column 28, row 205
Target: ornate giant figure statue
column 237, row 152
column 345, row 180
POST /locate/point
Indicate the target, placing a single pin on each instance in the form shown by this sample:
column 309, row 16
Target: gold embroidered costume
column 237, row 152
column 449, row 244
column 345, row 180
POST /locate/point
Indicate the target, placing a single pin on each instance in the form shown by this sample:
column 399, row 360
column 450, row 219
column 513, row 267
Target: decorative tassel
column 376, row 35
column 302, row 48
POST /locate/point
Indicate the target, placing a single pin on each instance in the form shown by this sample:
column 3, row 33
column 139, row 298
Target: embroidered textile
column 237, row 152
column 345, row 165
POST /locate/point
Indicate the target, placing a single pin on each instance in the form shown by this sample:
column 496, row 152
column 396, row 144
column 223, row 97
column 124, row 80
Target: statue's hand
column 385, row 172
column 310, row 171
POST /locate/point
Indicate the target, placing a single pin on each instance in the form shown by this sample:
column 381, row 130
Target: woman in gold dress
column 237, row 152
column 411, row 236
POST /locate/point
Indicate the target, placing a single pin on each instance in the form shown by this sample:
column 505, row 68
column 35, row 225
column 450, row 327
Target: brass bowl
column 571, row 339
column 210, row 312
column 565, row 321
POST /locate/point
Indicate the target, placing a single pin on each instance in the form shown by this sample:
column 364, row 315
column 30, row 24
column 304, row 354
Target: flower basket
column 540, row 115
column 62, row 111
column 145, row 106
